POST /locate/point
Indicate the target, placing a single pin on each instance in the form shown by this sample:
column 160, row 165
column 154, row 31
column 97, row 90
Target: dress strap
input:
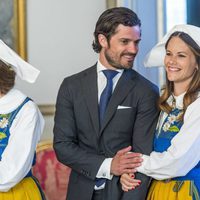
column 15, row 112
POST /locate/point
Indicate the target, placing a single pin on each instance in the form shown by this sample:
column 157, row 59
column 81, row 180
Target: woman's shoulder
column 193, row 108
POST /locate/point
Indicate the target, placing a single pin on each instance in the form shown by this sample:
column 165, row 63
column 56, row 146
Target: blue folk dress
column 28, row 188
column 179, row 188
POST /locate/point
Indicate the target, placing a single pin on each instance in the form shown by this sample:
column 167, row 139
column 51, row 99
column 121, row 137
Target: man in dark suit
column 94, row 132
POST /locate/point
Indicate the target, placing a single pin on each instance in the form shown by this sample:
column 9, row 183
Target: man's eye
column 125, row 41
column 137, row 43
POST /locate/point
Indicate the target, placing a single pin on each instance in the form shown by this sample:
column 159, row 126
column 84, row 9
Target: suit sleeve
column 66, row 143
column 143, row 133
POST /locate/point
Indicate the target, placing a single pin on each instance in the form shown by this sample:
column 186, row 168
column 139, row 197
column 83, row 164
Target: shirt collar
column 101, row 67
column 11, row 101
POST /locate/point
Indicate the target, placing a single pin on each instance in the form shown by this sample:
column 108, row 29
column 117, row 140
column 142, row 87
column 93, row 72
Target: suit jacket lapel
column 124, row 85
column 90, row 92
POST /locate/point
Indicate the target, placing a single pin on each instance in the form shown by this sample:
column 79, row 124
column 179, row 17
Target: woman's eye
column 183, row 56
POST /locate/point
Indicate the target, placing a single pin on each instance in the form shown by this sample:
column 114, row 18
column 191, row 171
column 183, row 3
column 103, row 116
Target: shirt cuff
column 104, row 170
column 141, row 168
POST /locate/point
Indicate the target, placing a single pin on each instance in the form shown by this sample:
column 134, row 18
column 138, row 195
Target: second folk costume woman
column 21, row 125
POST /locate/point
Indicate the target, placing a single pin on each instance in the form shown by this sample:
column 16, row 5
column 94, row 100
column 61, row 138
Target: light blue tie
column 104, row 99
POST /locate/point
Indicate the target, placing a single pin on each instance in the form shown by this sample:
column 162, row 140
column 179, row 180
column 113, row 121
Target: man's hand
column 125, row 162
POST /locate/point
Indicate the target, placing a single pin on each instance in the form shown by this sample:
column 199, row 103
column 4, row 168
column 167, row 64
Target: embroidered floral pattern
column 166, row 126
column 171, row 122
column 171, row 118
column 3, row 123
column 2, row 135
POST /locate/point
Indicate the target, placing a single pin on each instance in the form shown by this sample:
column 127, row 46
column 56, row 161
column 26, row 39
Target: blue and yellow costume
column 27, row 188
column 180, row 188
column 175, row 161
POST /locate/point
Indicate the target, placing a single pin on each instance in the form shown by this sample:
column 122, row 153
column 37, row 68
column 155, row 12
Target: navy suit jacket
column 81, row 144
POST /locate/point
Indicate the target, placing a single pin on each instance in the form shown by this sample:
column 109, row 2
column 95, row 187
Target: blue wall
column 147, row 12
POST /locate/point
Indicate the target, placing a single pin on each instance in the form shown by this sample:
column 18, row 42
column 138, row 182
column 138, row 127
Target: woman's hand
column 129, row 182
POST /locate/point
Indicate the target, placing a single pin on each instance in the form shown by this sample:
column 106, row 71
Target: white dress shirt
column 25, row 133
column 183, row 154
column 104, row 170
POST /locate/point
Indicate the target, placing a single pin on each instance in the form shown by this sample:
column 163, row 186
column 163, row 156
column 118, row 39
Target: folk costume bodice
column 162, row 141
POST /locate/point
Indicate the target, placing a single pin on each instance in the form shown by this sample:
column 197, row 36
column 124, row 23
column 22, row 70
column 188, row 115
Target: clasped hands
column 124, row 164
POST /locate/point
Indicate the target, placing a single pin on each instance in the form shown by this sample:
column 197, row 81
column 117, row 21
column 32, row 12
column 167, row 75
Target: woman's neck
column 180, row 89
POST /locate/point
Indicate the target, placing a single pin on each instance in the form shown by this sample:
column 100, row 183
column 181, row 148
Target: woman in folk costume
column 175, row 161
column 21, row 125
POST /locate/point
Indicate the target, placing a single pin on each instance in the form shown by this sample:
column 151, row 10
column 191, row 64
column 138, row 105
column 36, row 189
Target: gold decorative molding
column 20, row 28
column 111, row 3
column 47, row 109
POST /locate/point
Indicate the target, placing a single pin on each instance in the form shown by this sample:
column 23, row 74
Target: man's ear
column 102, row 40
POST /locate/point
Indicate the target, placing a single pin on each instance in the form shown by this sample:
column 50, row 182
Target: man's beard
column 117, row 64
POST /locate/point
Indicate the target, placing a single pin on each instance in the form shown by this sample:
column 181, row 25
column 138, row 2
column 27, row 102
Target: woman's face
column 180, row 63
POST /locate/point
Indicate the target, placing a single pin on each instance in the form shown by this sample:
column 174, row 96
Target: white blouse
column 183, row 154
column 25, row 133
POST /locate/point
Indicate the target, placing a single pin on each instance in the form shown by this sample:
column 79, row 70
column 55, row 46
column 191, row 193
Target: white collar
column 101, row 67
column 178, row 100
column 11, row 101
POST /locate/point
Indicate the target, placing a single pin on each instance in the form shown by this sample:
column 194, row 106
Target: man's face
column 120, row 51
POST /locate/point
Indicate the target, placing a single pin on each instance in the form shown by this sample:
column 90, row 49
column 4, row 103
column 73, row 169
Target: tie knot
column 110, row 74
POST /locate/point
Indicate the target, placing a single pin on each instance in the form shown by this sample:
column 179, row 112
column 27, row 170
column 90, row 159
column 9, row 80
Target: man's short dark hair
column 109, row 21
